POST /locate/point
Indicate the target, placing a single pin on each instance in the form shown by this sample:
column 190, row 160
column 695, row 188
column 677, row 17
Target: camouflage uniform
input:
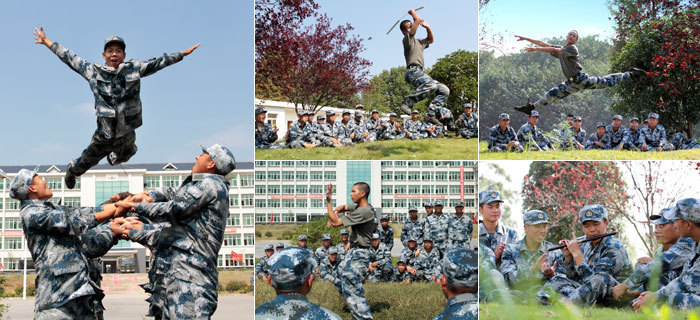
column 265, row 136
column 383, row 270
column 321, row 252
column 681, row 142
column 412, row 228
column 416, row 77
column 391, row 132
column 605, row 140
column 96, row 242
column 117, row 104
column 459, row 231
column 397, row 276
column 427, row 264
column 341, row 246
column 498, row 140
column 299, row 134
column 461, row 271
column 427, row 126
column 669, row 264
column 150, row 237
column 655, row 137
column 261, row 268
column 601, row 269
column 502, row 234
column 468, row 125
column 344, row 131
column 375, row 128
column 387, row 235
column 409, row 256
column 632, row 138
column 616, row 137
column 360, row 127
column 437, row 227
column 531, row 138
column 289, row 269
column 329, row 271
column 569, row 136
column 489, row 277
column 414, row 129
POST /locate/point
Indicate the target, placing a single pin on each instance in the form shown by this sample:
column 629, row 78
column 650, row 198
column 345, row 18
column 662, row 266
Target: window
column 428, row 164
column 454, row 175
column 233, row 200
column 302, row 189
column 427, row 189
column 247, row 180
column 316, row 189
column 469, row 176
column 55, row 183
column 469, row 189
column 399, row 163
column 248, row 219
column 301, row 203
column 260, row 175
column 13, row 243
column 105, row 189
column 329, row 175
column 387, row 203
column 414, row 176
column 468, row 163
column 233, row 220
column 454, row 189
column 171, row 181
column 454, row 202
column 387, row 163
column 248, row 239
column 273, row 163
column 469, row 203
column 13, row 223
column 400, row 203
column 288, row 189
column 316, row 175
column 13, row 263
column 413, row 189
column 247, row 200
column 387, row 175
column 260, row 189
column 316, row 203
column 273, row 175
column 427, row 175
column 273, row 203
column 231, row 240
column 287, row 175
column 441, row 175
column 414, row 202
column 234, row 180
column 259, row 163
column 387, row 190
column 260, row 203
column 275, row 189
column 302, row 163
column 400, row 189
column 152, row 181
column 414, row 164
column 287, row 203
column 287, row 163
column 2, row 204
column 400, row 175
column 454, row 164
column 316, row 163
column 330, row 163
column 12, row 204
column 249, row 259
column 302, row 175
column 441, row 189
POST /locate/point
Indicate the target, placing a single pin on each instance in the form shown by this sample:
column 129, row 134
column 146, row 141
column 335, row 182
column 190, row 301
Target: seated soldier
column 401, row 274
column 530, row 136
column 599, row 139
column 431, row 130
column 346, row 130
column 633, row 135
column 427, row 262
column 328, row 134
column 502, row 137
column 381, row 268
column 393, row 129
column 467, row 123
column 653, row 137
column 375, row 126
column 328, row 270
column 616, row 131
column 682, row 142
column 265, row 135
column 360, row 127
column 299, row 134
column 414, row 127
column 410, row 252
column 261, row 267
column 322, row 251
column 573, row 136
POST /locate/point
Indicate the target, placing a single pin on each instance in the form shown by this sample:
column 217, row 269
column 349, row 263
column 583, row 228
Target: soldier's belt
column 600, row 236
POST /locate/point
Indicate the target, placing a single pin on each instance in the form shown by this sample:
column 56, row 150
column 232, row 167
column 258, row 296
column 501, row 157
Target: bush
column 268, row 234
column 287, row 235
column 258, row 234
column 234, row 286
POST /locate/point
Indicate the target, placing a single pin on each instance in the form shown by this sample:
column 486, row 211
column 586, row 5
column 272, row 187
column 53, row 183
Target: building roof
column 161, row 166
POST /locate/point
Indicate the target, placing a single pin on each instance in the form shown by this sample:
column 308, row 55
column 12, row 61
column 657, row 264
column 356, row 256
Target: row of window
column 237, row 239
column 292, row 189
column 242, row 179
column 426, row 175
column 405, row 203
column 291, row 203
column 295, row 175
column 300, row 163
column 55, row 183
column 226, row 261
column 427, row 189
column 427, row 164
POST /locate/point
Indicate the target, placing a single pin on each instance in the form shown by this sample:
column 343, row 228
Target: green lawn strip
column 484, row 154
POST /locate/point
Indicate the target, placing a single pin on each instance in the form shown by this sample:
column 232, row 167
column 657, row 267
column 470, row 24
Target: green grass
column 427, row 149
column 484, row 154
column 386, row 300
column 275, row 229
column 568, row 311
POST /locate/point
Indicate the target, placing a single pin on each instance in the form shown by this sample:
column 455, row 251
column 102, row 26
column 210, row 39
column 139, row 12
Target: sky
column 47, row 114
column 544, row 19
column 671, row 173
column 454, row 25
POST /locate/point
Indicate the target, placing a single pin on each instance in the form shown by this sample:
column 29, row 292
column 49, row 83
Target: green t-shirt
column 413, row 49
column 361, row 219
column 568, row 59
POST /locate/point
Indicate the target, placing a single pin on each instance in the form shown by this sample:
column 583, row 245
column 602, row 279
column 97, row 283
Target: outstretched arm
column 430, row 31
column 533, row 41
column 543, row 49
column 416, row 21
column 334, row 219
column 153, row 65
column 75, row 62
column 40, row 37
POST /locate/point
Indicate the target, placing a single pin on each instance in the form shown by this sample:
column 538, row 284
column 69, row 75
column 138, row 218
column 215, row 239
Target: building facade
column 101, row 182
column 294, row 191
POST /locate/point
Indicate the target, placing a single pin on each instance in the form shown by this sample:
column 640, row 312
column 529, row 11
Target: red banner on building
column 461, row 183
column 419, row 196
column 230, row 230
column 236, row 257
column 18, row 233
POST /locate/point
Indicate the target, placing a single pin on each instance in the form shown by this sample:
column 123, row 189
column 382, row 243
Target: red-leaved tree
column 301, row 57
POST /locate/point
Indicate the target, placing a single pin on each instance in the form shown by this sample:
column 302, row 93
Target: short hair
column 364, row 187
column 574, row 30
column 569, row 115
column 402, row 23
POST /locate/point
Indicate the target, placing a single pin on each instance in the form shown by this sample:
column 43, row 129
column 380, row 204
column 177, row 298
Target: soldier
column 361, row 109
column 438, row 224
column 492, row 233
column 489, row 277
column 413, row 225
column 410, row 252
column 261, row 268
column 414, row 127
column 590, row 269
column 646, row 123
column 427, row 262
column 299, row 135
column 375, row 126
column 279, row 247
column 328, row 270
column 425, row 228
column 502, row 137
column 117, row 101
column 682, row 292
column 459, row 284
column 393, row 129
column 346, row 130
column 430, row 130
column 400, row 273
column 291, row 274
column 322, row 251
column 616, row 131
column 360, row 127
column 198, row 211
column 523, row 260
column 599, row 139
column 352, row 270
column 386, row 232
column 63, row 286
column 329, row 135
column 265, row 135
column 682, row 142
column 576, row 79
column 460, row 228
column 380, row 269
column 667, row 263
column 530, row 136
column 316, row 127
column 653, row 137
column 444, row 117
column 632, row 139
column 343, row 246
column 468, row 123
column 573, row 137
column 415, row 76
column 303, row 242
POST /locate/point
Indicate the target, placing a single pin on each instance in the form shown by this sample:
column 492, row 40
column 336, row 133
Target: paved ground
column 133, row 306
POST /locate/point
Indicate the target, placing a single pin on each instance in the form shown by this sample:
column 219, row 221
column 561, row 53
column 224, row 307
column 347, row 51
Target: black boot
column 526, row 109
column 405, row 109
column 636, row 72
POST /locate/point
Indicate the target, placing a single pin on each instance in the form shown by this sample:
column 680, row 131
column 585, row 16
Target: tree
column 314, row 229
column 562, row 188
column 300, row 56
column 387, row 90
column 459, row 71
column 662, row 37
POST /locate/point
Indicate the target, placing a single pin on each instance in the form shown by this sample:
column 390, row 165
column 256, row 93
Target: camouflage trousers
column 391, row 136
column 425, row 85
column 325, row 141
column 666, row 147
column 467, row 133
column 118, row 149
column 438, row 131
column 350, row 282
column 490, row 282
column 595, row 289
column 416, row 135
column 504, row 149
column 533, row 146
column 188, row 300
column 380, row 273
column 78, row 308
column 297, row 144
column 581, row 81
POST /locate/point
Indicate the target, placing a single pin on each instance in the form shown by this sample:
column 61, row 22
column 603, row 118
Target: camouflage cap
column 412, row 237
column 260, row 110
column 661, row 217
column 375, row 111
column 412, row 208
column 393, row 114
column 428, row 204
column 653, row 115
column 375, row 236
column 459, row 204
column 279, row 245
column 360, row 106
column 468, row 105
column 325, row 236
column 634, row 119
column 687, row 209
column 19, row 186
column 534, row 113
column 320, row 116
column 303, row 237
column 534, row 217
column 222, row 156
column 330, row 113
column 617, row 116
column 646, row 120
column 333, row 250
column 489, row 196
column 290, row 267
column 400, row 260
column 415, row 112
column 358, row 113
column 600, row 124
column 301, row 113
column 269, row 247
column 438, row 203
column 346, row 112
column 385, row 217
column 593, row 212
column 503, row 116
column 344, row 231
column 577, row 118
column 115, row 39
column 460, row 267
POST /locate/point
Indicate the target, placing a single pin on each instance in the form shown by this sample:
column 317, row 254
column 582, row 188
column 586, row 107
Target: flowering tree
column 300, row 56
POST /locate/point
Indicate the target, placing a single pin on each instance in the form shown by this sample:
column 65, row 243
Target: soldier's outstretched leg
column 425, row 85
column 78, row 308
column 350, row 283
column 99, row 148
column 581, row 81
column 123, row 149
column 187, row 300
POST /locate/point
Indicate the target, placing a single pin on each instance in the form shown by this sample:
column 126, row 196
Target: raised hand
column 329, row 192
column 40, row 37
column 521, row 38
column 192, row 48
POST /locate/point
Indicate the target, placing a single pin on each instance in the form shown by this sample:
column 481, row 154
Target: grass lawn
column 566, row 311
column 484, row 154
column 226, row 276
column 386, row 300
column 276, row 230
column 449, row 148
